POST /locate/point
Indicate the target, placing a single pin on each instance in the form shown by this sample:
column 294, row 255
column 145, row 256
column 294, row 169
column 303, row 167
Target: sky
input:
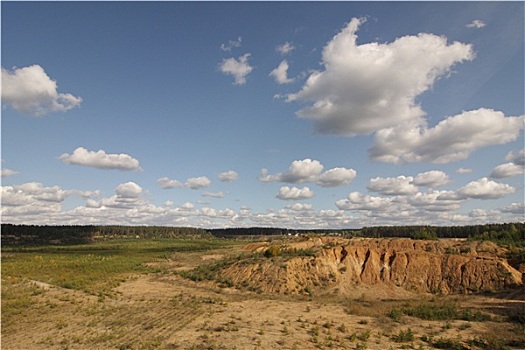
column 275, row 114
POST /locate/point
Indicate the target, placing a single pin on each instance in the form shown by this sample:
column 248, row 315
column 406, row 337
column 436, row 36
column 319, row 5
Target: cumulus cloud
column 167, row 183
column 336, row 177
column 464, row 171
column 299, row 207
column 477, row 23
column 515, row 208
column 280, row 73
column 401, row 185
column 100, row 159
column 507, row 170
column 128, row 190
column 8, row 172
column 433, row 178
column 228, row 176
column 294, row 193
column 485, row 189
column 239, row 68
column 359, row 201
column 435, row 201
column 196, row 183
column 31, row 91
column 368, row 87
column 231, row 44
column 515, row 167
column 452, row 139
column 285, row 48
column 308, row 170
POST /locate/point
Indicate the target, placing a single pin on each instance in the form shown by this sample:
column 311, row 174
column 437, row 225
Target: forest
column 506, row 233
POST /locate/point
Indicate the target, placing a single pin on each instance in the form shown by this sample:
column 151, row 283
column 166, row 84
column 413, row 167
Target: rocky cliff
column 340, row 265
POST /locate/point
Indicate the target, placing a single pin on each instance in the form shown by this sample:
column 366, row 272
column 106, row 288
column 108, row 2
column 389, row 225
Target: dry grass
column 153, row 307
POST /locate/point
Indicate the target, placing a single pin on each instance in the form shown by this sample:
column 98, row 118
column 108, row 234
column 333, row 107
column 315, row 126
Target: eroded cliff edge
column 341, row 265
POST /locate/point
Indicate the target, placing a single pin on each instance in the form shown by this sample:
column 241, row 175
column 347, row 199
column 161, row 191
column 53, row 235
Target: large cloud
column 485, row 189
column 100, row 159
column 308, row 170
column 30, row 90
column 238, row 68
column 452, row 139
column 368, row 87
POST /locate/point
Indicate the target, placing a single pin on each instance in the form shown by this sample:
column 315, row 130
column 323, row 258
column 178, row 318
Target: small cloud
column 100, row 160
column 433, row 178
column 239, row 68
column 8, row 172
column 167, row 183
column 477, row 23
column 213, row 195
column 280, row 73
column 31, row 91
column 231, row 44
column 294, row 193
column 196, row 183
column 285, row 48
column 464, row 171
column 401, row 185
column 228, row 176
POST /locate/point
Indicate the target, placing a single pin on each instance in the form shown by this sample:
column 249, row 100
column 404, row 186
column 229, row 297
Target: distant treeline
column 508, row 233
column 37, row 235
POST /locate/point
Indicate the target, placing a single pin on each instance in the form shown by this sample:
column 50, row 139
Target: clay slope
column 340, row 265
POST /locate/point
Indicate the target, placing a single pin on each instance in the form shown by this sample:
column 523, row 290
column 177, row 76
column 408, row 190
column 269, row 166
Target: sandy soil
column 166, row 311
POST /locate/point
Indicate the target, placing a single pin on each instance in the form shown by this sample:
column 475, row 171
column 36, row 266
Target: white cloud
column 464, row 171
column 196, row 183
column 400, row 185
column 452, row 139
column 515, row 167
column 231, row 44
column 308, row 170
column 30, row 90
column 213, row 195
column 433, row 201
column 518, row 158
column 336, row 177
column 129, row 190
column 515, row 208
column 433, row 178
column 280, row 73
column 228, row 176
column 507, row 170
column 285, row 48
column 477, row 23
column 485, row 189
column 300, row 171
column 100, row 159
column 238, row 68
column 299, row 207
column 8, row 172
column 167, row 183
column 359, row 201
column 368, row 87
column 294, row 193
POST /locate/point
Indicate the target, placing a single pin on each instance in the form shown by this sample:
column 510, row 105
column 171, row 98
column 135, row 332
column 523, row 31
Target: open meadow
column 181, row 293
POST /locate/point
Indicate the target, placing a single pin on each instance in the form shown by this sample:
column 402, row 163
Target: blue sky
column 296, row 114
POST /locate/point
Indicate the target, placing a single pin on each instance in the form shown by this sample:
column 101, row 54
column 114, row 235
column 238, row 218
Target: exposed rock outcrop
column 444, row 266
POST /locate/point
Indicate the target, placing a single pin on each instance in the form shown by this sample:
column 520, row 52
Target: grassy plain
column 147, row 294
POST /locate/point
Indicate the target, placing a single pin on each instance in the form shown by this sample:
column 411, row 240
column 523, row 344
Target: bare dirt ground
column 166, row 311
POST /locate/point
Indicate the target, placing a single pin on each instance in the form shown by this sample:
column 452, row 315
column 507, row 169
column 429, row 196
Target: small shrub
column 404, row 336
